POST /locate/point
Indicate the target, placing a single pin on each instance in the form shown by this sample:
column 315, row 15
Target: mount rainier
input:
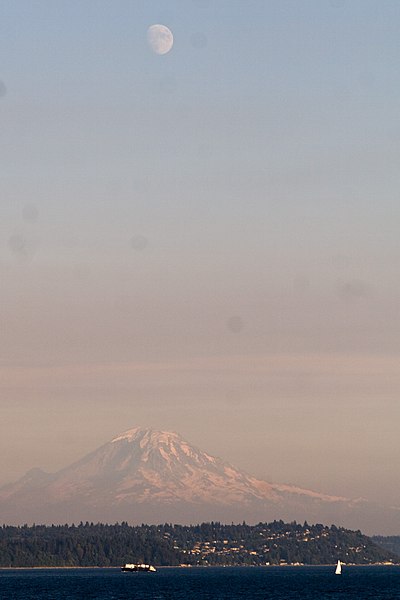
column 152, row 476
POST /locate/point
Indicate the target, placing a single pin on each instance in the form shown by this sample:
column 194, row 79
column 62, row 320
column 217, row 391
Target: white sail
column 338, row 568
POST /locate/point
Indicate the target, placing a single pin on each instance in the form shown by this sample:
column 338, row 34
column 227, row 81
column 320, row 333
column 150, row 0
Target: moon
column 160, row 38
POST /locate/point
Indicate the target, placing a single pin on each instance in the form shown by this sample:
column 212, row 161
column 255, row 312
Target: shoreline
column 159, row 568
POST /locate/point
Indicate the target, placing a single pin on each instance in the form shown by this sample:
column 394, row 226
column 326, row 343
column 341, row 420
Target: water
column 234, row 583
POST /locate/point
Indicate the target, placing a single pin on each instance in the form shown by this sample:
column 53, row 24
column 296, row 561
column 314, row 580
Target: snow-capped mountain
column 152, row 476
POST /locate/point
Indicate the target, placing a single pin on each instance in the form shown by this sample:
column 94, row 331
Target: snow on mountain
column 143, row 475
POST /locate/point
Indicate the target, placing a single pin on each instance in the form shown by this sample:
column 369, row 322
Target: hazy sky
column 205, row 241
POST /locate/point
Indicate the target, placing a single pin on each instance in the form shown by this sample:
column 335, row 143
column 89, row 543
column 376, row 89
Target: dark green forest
column 89, row 544
column 389, row 542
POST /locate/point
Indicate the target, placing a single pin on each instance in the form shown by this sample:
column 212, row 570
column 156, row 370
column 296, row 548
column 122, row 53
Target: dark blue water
column 278, row 583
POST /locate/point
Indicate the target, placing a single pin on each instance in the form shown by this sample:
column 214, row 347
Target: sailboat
column 338, row 568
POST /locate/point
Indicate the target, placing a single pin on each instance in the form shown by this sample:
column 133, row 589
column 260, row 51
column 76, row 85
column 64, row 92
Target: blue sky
column 205, row 241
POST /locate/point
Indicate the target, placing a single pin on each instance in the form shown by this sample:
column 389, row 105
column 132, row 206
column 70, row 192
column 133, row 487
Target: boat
column 338, row 568
column 137, row 568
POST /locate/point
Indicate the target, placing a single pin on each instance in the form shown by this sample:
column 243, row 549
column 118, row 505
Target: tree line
column 89, row 544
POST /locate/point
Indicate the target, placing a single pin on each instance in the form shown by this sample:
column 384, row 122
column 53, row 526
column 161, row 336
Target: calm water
column 285, row 583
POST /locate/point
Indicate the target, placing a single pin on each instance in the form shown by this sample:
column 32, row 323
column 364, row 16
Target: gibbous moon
column 160, row 38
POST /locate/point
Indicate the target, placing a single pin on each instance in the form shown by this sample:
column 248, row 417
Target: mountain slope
column 152, row 476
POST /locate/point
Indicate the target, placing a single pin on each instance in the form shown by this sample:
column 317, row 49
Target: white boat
column 135, row 568
column 338, row 568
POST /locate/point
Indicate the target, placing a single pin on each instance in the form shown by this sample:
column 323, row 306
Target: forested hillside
column 89, row 544
column 389, row 542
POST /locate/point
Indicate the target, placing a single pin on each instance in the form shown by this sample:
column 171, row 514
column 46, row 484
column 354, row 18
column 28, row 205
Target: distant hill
column 388, row 542
column 148, row 476
column 273, row 543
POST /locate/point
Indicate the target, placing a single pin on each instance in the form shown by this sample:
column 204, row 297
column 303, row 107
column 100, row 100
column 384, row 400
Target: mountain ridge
column 146, row 475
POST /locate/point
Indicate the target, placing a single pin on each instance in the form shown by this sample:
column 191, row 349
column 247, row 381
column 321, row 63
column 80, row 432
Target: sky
column 205, row 241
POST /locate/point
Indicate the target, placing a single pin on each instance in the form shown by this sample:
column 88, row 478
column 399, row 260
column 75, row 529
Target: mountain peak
column 148, row 475
column 145, row 436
